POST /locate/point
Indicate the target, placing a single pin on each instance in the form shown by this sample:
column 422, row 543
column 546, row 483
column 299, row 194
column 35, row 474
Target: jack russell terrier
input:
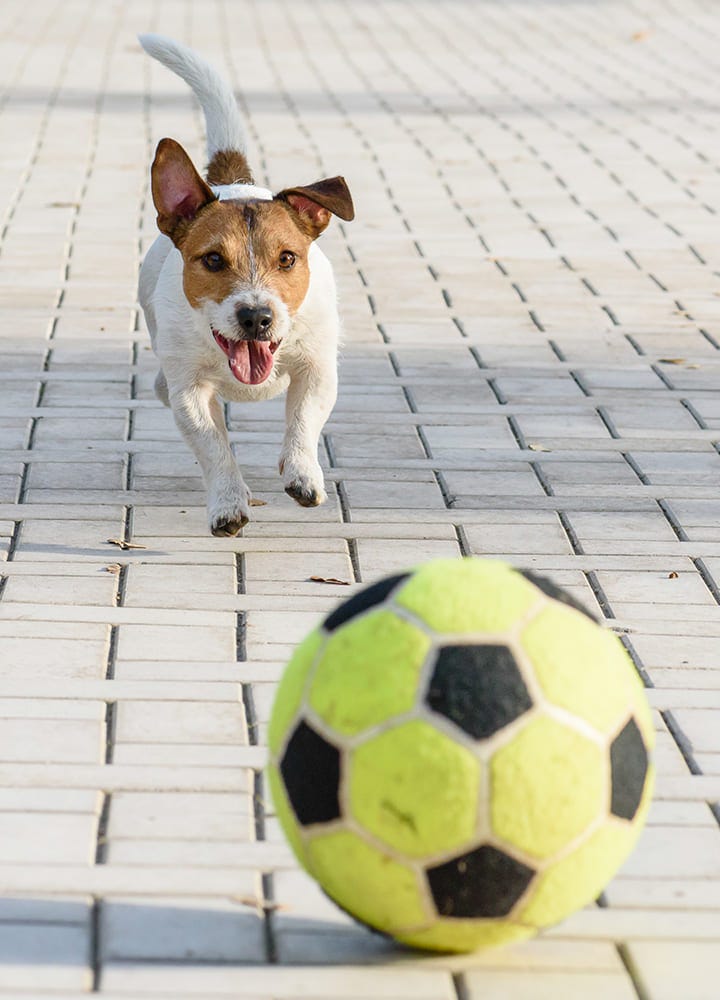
column 239, row 300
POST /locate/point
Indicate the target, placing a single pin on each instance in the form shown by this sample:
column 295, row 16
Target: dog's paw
column 226, row 528
column 305, row 494
column 229, row 514
column 304, row 482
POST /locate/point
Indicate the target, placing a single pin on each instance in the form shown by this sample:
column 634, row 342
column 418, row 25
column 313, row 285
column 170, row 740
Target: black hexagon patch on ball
column 479, row 688
column 310, row 768
column 363, row 601
column 628, row 770
column 485, row 882
column 551, row 589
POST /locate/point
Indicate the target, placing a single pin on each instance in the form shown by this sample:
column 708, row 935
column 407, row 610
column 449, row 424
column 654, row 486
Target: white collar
column 241, row 192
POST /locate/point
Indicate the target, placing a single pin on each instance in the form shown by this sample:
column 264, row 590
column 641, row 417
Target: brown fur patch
column 228, row 166
column 314, row 203
column 250, row 238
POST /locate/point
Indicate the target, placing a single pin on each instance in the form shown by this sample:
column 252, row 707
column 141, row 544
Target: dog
column 239, row 299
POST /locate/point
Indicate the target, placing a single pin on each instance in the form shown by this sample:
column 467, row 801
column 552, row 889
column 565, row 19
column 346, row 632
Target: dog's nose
column 255, row 321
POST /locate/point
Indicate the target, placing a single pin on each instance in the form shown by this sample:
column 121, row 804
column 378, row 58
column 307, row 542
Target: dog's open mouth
column 250, row 361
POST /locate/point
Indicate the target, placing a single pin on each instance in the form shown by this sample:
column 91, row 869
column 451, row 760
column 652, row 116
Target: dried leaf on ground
column 254, row 502
column 113, row 568
column 258, row 904
column 122, row 544
column 673, row 575
column 330, row 579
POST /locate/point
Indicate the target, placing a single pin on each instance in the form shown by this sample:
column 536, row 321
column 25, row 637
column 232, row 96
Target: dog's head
column 245, row 263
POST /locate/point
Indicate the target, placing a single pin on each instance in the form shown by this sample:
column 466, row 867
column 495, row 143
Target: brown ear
column 314, row 203
column 178, row 190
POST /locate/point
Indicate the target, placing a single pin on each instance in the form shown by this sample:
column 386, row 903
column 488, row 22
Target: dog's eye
column 213, row 261
column 287, row 259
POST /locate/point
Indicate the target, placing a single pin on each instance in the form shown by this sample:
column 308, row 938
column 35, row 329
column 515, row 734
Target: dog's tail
column 223, row 124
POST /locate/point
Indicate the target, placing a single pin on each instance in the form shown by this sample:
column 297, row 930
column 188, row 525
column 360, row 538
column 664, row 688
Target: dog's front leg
column 310, row 399
column 199, row 416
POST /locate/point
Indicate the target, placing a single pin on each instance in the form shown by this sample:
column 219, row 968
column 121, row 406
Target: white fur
column 223, row 124
column 194, row 373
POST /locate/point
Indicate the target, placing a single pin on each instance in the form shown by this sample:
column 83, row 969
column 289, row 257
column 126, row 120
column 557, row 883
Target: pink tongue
column 251, row 361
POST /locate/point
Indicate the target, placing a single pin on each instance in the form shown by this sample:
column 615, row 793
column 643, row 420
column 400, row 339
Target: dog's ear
column 315, row 203
column 178, row 190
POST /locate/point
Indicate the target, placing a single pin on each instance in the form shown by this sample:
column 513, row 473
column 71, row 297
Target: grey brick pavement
column 531, row 370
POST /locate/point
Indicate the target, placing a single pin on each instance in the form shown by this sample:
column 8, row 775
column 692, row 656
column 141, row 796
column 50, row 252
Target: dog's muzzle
column 250, row 360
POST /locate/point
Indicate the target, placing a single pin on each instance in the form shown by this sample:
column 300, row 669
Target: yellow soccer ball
column 460, row 755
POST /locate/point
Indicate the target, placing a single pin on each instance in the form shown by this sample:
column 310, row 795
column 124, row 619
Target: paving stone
column 666, row 968
column 685, row 893
column 470, row 440
column 63, row 709
column 67, row 392
column 29, row 910
column 670, row 588
column 193, row 754
column 273, row 627
column 407, row 495
column 709, row 763
column 641, row 923
column 178, row 670
column 632, row 420
column 47, row 838
column 179, row 586
column 176, row 815
column 648, row 527
column 177, row 929
column 677, row 651
column 9, row 488
column 289, row 983
column 517, row 538
column 668, row 756
column 48, row 739
column 158, row 854
column 98, row 589
column 288, row 566
column 491, row 984
column 178, row 722
column 53, row 658
column 561, row 475
column 702, row 469
column 538, row 426
column 680, row 814
column 382, row 557
column 168, row 643
column 73, row 539
column 700, row 727
column 463, row 399
column 51, row 430
column 675, row 852
column 65, row 961
column 508, row 482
